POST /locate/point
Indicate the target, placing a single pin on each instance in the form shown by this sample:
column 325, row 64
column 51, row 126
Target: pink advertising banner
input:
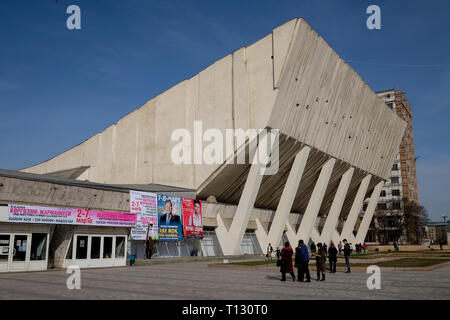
column 32, row 214
column 143, row 204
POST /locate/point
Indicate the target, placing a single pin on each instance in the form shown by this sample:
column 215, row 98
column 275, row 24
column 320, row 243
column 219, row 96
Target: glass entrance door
column 96, row 250
column 81, row 250
column 23, row 252
column 5, row 248
column 19, row 253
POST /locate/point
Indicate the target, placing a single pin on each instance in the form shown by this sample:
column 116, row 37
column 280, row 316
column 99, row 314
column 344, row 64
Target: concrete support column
column 287, row 198
column 368, row 215
column 335, row 237
column 312, row 210
column 336, row 206
column 230, row 240
column 291, row 235
column 315, row 235
column 349, row 225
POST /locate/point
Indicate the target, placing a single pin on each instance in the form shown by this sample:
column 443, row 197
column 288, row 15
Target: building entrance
column 23, row 252
column 96, row 250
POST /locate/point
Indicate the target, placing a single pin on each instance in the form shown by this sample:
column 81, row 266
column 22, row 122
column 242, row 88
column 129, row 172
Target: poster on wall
column 32, row 214
column 144, row 205
column 169, row 218
column 192, row 218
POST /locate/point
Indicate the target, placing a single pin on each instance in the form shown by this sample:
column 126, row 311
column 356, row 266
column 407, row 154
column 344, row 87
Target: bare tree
column 415, row 218
column 388, row 223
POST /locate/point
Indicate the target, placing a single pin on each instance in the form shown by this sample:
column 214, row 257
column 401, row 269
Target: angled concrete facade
column 337, row 142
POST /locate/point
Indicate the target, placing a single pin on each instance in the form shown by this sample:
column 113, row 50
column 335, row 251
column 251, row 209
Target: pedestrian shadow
column 273, row 278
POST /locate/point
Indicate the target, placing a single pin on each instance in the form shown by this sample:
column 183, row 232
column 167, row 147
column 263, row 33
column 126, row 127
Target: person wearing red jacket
column 286, row 262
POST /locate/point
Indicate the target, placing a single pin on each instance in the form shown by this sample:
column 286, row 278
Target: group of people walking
column 302, row 257
column 360, row 247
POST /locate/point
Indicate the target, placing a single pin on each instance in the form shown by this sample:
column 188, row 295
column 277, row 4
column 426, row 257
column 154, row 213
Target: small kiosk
column 31, row 235
column 23, row 247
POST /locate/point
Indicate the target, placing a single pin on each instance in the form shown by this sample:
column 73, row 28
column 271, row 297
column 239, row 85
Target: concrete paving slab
column 195, row 280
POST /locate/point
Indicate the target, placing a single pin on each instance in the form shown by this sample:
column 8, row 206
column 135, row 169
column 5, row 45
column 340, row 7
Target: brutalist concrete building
column 336, row 142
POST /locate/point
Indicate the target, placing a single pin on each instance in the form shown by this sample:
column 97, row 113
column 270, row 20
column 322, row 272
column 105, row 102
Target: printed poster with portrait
column 144, row 205
column 192, row 218
column 169, row 218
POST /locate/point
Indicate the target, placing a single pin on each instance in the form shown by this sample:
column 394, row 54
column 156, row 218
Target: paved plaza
column 197, row 280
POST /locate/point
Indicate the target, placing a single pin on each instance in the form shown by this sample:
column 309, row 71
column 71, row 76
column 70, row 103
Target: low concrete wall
column 152, row 261
column 406, row 247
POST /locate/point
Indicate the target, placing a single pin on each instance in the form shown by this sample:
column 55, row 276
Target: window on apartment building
column 394, row 180
column 395, row 167
column 381, row 206
column 370, row 236
column 396, row 192
column 396, row 205
column 390, row 222
column 383, row 193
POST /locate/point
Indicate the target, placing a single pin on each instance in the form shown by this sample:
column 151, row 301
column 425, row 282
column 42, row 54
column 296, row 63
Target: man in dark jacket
column 332, row 257
column 302, row 261
column 347, row 252
column 312, row 247
column 320, row 261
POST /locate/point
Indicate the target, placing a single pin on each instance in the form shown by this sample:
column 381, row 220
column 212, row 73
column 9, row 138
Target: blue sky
column 59, row 87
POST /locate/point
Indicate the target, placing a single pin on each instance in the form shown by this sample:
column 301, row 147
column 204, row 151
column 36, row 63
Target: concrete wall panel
column 318, row 101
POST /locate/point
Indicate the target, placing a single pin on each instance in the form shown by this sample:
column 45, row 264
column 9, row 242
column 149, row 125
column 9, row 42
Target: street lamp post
column 445, row 229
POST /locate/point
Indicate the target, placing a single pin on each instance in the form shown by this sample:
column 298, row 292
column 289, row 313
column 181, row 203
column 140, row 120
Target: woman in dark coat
column 286, row 262
column 332, row 257
column 320, row 261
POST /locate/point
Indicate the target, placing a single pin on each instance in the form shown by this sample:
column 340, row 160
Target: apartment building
column 388, row 223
